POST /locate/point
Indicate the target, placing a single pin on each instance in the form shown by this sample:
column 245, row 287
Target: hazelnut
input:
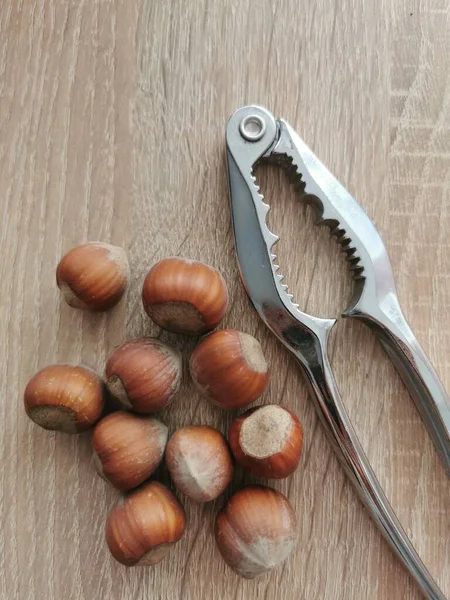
column 267, row 441
column 128, row 448
column 199, row 462
column 65, row 398
column 185, row 296
column 144, row 374
column 93, row 276
column 143, row 526
column 256, row 530
column 229, row 368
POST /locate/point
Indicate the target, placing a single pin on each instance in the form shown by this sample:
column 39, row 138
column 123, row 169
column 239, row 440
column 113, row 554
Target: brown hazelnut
column 229, row 368
column 185, row 296
column 144, row 374
column 256, row 530
column 93, row 276
column 128, row 448
column 267, row 441
column 199, row 462
column 65, row 398
column 143, row 526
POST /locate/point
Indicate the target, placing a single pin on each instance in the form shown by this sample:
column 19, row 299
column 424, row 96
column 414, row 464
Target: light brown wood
column 112, row 116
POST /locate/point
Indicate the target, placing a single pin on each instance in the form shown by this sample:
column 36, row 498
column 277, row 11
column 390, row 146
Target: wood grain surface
column 112, row 117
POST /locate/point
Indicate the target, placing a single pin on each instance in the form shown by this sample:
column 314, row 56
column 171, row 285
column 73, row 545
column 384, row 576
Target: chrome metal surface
column 252, row 128
column 306, row 336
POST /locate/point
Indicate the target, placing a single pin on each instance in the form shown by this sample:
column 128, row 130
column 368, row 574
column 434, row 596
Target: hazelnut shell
column 256, row 530
column 144, row 374
column 199, row 462
column 267, row 440
column 229, row 368
column 65, row 398
column 128, row 448
column 93, row 276
column 185, row 296
column 143, row 526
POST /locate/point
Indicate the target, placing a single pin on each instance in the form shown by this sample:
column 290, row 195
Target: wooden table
column 112, row 117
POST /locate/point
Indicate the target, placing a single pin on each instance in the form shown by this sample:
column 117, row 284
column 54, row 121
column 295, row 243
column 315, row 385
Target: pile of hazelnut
column 256, row 529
